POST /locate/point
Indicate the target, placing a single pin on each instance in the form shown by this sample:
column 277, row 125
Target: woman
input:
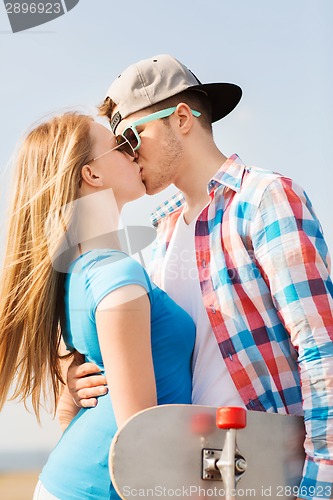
column 65, row 276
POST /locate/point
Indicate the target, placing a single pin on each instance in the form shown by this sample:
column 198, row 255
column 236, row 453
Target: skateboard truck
column 226, row 465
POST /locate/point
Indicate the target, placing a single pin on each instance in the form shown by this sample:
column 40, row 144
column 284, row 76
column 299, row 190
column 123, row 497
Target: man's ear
column 185, row 117
column 91, row 176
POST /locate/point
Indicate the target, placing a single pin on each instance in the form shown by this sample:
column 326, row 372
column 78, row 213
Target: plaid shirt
column 264, row 273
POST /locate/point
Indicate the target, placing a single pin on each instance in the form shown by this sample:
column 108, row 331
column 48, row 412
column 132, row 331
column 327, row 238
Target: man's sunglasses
column 122, row 145
column 131, row 134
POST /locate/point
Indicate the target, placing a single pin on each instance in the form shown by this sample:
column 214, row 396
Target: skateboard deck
column 174, row 450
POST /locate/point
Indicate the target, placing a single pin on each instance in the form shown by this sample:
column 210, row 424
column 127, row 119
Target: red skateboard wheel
column 230, row 417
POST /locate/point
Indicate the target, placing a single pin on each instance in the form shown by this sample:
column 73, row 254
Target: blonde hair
column 47, row 177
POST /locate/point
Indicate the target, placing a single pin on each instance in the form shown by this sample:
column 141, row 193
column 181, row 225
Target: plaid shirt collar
column 229, row 175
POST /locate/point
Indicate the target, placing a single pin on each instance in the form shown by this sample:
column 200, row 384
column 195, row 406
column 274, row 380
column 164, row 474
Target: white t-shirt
column 212, row 383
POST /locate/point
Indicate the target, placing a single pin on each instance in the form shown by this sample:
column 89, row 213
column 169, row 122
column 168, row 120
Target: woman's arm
column 123, row 326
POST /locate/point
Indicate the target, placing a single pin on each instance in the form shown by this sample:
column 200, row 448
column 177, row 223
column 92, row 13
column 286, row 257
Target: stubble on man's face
column 163, row 163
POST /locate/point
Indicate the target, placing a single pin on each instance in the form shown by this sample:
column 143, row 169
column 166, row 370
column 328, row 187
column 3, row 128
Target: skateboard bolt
column 240, row 465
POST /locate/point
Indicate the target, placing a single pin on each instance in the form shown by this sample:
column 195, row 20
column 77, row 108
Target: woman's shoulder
column 100, row 257
column 109, row 264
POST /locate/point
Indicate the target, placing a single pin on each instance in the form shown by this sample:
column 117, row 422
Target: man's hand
column 85, row 383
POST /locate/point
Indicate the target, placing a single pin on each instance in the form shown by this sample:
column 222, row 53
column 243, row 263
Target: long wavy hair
column 46, row 179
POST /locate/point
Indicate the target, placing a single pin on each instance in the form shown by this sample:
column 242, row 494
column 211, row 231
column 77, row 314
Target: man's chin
column 152, row 188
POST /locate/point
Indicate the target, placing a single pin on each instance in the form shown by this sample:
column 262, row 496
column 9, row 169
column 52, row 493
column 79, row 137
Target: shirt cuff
column 317, row 480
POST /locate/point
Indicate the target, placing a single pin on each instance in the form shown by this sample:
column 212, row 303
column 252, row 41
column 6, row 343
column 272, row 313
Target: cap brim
column 224, row 97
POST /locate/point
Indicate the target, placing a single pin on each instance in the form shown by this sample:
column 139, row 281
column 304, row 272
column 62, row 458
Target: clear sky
column 280, row 53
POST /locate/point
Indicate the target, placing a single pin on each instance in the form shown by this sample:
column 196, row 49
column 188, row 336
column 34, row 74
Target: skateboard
column 201, row 452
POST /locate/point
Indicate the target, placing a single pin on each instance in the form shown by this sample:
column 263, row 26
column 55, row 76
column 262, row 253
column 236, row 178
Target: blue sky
column 280, row 53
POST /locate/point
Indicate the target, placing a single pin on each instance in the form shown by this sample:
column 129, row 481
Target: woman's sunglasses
column 123, row 145
column 131, row 134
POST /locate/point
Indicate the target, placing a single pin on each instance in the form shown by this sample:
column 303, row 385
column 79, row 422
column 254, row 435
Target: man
column 241, row 250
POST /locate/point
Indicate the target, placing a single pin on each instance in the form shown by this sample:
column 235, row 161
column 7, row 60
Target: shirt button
column 203, row 263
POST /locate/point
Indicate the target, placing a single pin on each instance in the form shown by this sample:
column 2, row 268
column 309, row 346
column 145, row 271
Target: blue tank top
column 77, row 468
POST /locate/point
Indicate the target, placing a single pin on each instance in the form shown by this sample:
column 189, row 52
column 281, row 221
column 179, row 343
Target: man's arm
column 85, row 382
column 292, row 255
column 66, row 408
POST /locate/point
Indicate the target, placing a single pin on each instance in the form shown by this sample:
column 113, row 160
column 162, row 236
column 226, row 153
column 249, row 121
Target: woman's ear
column 91, row 176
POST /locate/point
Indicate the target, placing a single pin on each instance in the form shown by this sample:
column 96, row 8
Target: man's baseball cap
column 152, row 80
